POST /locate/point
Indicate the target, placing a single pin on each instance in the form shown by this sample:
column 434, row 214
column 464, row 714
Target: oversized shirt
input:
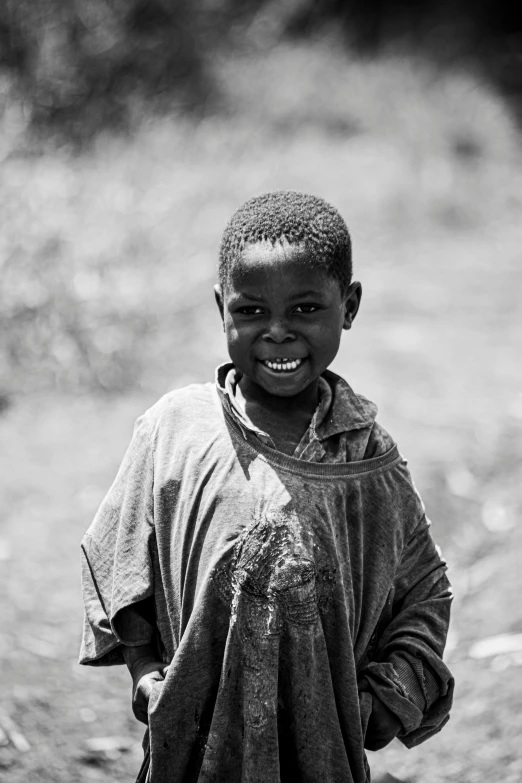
column 279, row 590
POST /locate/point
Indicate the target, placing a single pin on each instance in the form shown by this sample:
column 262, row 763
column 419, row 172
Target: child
column 262, row 562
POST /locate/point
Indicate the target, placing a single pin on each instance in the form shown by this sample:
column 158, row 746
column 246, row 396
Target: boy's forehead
column 282, row 264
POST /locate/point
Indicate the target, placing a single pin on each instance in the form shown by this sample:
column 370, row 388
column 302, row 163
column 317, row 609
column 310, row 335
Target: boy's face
column 283, row 319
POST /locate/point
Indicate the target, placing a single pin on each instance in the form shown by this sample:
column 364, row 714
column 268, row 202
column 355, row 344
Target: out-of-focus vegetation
column 82, row 65
column 107, row 255
column 111, row 218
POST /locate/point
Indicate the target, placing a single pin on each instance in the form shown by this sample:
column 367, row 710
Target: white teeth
column 283, row 365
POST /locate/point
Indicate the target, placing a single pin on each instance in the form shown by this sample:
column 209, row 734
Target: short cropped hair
column 298, row 218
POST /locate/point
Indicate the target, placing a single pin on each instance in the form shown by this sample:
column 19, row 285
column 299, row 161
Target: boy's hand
column 145, row 670
column 143, row 678
column 383, row 726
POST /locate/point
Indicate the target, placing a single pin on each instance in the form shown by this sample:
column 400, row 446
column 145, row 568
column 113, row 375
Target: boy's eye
column 306, row 308
column 251, row 310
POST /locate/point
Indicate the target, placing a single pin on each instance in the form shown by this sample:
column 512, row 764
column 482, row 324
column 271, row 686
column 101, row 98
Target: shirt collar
column 340, row 409
column 348, row 410
column 229, row 393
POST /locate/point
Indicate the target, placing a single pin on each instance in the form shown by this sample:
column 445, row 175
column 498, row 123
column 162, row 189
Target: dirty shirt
column 281, row 590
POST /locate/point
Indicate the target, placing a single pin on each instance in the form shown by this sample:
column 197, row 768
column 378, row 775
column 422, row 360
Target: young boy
column 262, row 562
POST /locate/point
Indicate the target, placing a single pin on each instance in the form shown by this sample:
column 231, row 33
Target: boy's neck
column 299, row 405
column 285, row 419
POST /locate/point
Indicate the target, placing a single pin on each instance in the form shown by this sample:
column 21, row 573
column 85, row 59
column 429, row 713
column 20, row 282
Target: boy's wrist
column 139, row 658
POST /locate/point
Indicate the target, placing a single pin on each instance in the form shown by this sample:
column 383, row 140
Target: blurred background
column 130, row 130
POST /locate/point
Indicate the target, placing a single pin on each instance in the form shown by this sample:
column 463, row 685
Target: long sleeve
column 117, row 571
column 407, row 672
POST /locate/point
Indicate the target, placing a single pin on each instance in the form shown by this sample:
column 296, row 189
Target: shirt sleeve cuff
column 417, row 680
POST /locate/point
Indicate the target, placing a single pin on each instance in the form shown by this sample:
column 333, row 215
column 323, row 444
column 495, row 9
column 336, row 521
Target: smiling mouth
column 282, row 365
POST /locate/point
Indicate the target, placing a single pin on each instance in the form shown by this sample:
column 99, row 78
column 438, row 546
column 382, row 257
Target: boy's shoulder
column 189, row 403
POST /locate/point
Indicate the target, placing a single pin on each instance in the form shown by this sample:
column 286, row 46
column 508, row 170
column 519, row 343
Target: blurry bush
column 83, row 65
column 67, row 331
column 106, row 257
column 86, row 64
column 487, row 33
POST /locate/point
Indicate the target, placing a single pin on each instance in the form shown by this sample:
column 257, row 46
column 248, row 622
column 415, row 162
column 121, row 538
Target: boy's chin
column 278, row 392
column 279, row 384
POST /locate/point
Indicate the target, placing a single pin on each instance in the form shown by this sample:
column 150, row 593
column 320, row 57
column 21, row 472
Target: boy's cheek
column 233, row 333
column 233, row 343
column 238, row 343
column 231, row 336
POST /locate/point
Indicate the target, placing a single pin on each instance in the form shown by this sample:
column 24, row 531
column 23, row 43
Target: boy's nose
column 278, row 332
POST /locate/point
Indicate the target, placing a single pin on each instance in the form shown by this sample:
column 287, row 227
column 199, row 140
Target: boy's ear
column 351, row 303
column 219, row 300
